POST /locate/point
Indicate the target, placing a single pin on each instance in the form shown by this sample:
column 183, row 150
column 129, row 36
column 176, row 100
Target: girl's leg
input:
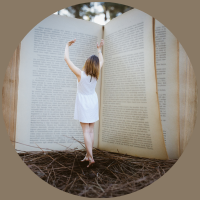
column 91, row 127
column 87, row 139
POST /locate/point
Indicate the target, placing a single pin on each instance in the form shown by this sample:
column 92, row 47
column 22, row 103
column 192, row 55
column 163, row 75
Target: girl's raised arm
column 70, row 64
column 100, row 54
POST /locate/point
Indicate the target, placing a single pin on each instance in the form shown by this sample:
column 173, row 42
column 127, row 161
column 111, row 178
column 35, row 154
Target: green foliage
column 84, row 9
column 80, row 10
column 114, row 9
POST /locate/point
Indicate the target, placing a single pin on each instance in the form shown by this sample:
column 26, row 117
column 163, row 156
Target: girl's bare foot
column 91, row 162
column 85, row 159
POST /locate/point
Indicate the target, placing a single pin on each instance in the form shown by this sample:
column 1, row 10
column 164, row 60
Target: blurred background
column 98, row 12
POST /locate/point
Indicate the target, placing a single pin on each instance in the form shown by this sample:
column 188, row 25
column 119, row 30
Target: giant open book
column 139, row 89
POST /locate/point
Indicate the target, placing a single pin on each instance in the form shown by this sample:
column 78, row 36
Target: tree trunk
column 105, row 12
column 77, row 13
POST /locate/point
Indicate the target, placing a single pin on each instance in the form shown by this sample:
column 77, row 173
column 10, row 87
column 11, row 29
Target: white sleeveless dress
column 86, row 104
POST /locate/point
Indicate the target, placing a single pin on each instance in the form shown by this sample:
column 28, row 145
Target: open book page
column 188, row 98
column 130, row 120
column 47, row 87
column 168, row 86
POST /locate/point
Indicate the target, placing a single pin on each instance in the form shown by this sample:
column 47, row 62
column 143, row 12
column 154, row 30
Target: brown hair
column 91, row 66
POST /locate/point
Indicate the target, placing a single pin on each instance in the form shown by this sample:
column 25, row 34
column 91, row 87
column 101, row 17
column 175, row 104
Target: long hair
column 91, row 66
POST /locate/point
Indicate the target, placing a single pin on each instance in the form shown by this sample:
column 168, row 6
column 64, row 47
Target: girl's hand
column 71, row 42
column 101, row 44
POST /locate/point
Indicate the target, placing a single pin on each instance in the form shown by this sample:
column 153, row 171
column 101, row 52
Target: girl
column 86, row 104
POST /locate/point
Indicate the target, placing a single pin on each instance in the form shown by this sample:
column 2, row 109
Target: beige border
column 181, row 17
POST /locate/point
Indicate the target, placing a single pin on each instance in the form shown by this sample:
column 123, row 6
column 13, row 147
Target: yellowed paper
column 188, row 98
column 47, row 87
column 168, row 86
column 130, row 121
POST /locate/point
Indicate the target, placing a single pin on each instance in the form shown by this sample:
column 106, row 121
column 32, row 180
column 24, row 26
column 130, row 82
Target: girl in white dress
column 86, row 104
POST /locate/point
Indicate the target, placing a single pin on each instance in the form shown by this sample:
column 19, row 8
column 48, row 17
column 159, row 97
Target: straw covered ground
column 112, row 175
